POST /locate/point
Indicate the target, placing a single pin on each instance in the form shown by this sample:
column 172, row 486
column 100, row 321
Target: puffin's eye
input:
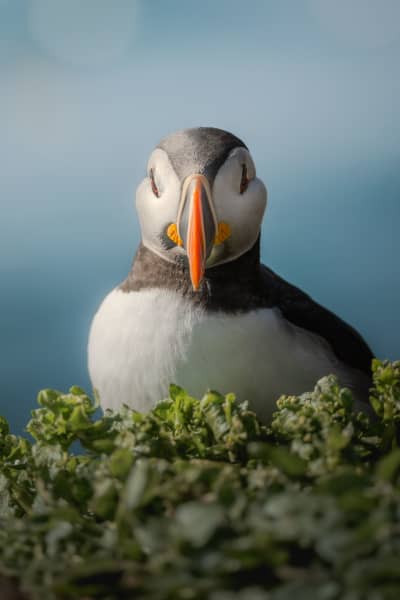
column 244, row 182
column 153, row 184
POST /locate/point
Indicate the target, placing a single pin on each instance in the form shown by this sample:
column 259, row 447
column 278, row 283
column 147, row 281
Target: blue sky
column 88, row 88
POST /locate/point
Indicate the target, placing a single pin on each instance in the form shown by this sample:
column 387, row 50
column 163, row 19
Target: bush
column 198, row 500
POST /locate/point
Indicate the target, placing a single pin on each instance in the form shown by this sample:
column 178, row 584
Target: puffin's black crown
column 199, row 150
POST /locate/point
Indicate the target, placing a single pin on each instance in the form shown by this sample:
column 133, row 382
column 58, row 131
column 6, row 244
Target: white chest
column 140, row 342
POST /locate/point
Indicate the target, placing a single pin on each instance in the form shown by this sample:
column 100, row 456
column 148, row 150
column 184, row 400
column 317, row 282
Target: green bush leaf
column 199, row 500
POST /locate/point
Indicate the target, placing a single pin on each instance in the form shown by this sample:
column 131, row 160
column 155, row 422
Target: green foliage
column 198, row 500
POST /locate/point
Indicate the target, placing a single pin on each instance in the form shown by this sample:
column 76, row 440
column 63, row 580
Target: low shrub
column 198, row 500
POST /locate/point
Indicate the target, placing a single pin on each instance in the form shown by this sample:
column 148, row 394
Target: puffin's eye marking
column 172, row 233
column 244, row 182
column 224, row 231
column 153, row 184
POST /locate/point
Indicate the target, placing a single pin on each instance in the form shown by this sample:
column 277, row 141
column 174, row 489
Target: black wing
column 301, row 310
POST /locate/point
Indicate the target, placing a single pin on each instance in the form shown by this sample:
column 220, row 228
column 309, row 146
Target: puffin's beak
column 197, row 225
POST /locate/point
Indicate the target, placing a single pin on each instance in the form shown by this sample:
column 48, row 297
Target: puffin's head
column 201, row 199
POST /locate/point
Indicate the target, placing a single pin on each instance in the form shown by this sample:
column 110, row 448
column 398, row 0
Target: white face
column 238, row 196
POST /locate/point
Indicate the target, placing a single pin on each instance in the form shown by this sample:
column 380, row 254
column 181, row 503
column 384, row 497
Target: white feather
column 140, row 342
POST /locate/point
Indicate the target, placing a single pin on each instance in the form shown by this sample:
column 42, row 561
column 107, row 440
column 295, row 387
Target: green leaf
column 198, row 522
column 291, row 464
column 136, row 484
column 388, row 467
column 121, row 462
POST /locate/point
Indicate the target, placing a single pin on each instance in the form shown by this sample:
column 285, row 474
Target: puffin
column 198, row 308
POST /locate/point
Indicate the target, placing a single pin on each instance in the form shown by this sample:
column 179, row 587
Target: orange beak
column 197, row 225
column 196, row 242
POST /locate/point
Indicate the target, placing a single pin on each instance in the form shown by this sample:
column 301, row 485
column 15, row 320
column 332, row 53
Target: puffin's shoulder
column 301, row 310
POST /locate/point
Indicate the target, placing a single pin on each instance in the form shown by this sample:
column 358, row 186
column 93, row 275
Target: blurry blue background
column 88, row 88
